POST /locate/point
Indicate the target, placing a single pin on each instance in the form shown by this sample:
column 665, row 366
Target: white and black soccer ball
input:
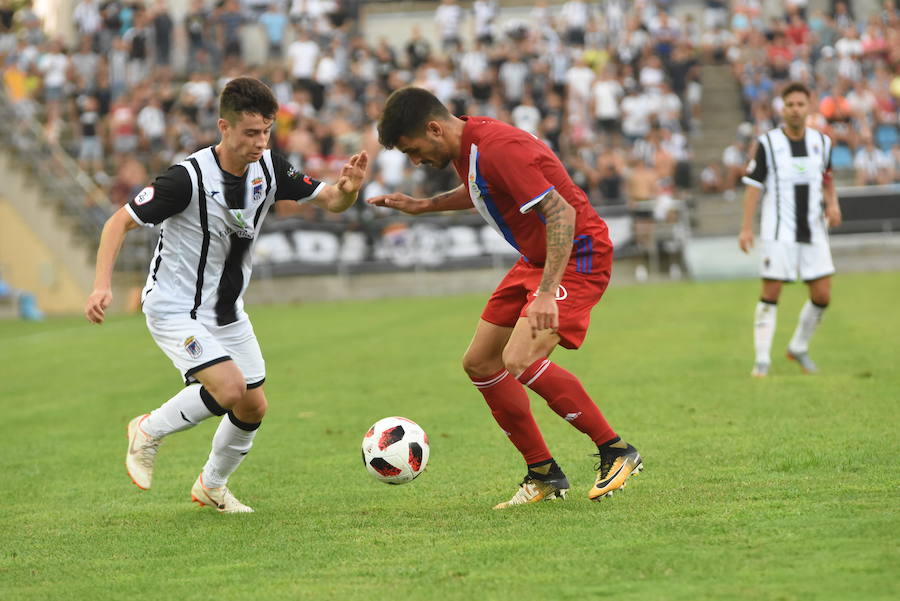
column 395, row 450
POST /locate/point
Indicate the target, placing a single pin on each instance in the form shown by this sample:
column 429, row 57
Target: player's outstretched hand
column 353, row 173
column 401, row 202
column 833, row 215
column 96, row 305
column 745, row 240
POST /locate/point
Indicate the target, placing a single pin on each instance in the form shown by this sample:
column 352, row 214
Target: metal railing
column 72, row 192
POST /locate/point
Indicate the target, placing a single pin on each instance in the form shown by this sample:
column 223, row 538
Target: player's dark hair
column 406, row 113
column 247, row 95
column 795, row 86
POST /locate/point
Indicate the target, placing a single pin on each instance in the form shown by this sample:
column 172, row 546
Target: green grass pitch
column 781, row 489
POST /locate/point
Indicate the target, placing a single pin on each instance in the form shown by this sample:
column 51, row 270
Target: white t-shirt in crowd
column 303, row 56
column 607, row 94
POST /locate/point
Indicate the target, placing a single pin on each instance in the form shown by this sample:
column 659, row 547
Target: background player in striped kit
column 211, row 207
column 792, row 165
column 523, row 191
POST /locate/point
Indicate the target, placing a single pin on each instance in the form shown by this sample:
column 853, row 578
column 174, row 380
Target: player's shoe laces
column 760, row 370
column 141, row 453
column 806, row 364
column 220, row 498
column 532, row 490
column 615, row 465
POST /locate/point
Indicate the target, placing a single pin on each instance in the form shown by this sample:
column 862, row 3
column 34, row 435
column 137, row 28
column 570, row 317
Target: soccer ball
column 395, row 450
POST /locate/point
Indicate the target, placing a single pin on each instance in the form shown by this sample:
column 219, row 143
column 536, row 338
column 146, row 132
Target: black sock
column 545, row 470
column 614, row 445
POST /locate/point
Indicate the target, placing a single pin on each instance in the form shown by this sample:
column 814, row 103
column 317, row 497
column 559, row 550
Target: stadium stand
column 613, row 86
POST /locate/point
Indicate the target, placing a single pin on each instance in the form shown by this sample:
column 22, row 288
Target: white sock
column 184, row 410
column 764, row 330
column 810, row 316
column 229, row 447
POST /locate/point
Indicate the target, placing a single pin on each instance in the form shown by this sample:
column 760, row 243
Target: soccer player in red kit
column 523, row 191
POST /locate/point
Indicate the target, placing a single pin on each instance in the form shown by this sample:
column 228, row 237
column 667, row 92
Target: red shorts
column 576, row 296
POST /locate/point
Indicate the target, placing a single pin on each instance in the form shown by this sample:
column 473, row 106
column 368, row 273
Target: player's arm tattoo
column 559, row 218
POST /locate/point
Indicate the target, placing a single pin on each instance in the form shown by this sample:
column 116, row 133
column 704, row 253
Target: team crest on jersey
column 193, row 348
column 257, row 188
column 292, row 173
column 144, row 196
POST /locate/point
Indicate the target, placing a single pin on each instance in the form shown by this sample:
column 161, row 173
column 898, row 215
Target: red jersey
column 507, row 171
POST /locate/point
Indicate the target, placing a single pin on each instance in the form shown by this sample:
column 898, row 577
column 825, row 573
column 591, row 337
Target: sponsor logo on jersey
column 257, row 184
column 193, row 348
column 144, row 196
column 239, row 224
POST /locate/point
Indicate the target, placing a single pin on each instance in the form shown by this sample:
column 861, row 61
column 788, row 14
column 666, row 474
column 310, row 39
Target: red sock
column 567, row 397
column 511, row 408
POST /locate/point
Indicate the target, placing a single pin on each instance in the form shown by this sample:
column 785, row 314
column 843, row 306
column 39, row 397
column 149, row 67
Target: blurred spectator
column 872, row 165
column 90, row 153
column 733, row 159
column 88, row 21
column 448, row 16
column 230, row 20
column 275, row 22
column 163, row 27
column 195, row 25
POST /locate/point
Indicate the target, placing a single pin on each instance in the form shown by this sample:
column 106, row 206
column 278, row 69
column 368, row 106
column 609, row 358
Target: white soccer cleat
column 220, row 498
column 760, row 370
column 141, row 455
column 532, row 490
column 806, row 364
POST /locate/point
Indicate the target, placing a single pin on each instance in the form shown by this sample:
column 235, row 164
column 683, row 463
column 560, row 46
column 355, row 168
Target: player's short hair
column 795, row 86
column 406, row 113
column 247, row 95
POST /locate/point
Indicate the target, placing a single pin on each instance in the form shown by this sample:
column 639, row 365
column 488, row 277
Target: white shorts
column 193, row 345
column 790, row 261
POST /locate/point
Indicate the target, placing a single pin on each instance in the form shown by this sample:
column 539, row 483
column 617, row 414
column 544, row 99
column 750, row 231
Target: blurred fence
column 62, row 183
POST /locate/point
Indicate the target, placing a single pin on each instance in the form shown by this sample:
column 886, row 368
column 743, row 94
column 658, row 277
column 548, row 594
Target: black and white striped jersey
column 792, row 173
column 210, row 221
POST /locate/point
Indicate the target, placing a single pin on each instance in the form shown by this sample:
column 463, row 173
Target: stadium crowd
column 851, row 64
column 613, row 86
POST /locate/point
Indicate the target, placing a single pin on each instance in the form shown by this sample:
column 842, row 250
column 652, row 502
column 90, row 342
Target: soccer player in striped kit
column 523, row 191
column 791, row 170
column 211, row 207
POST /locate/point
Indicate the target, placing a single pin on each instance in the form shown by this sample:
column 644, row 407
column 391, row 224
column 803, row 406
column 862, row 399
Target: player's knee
column 821, row 299
column 515, row 363
column 480, row 367
column 229, row 393
column 252, row 409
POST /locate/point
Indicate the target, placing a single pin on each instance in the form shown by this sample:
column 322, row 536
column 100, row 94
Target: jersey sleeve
column 515, row 168
column 291, row 184
column 168, row 195
column 757, row 169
